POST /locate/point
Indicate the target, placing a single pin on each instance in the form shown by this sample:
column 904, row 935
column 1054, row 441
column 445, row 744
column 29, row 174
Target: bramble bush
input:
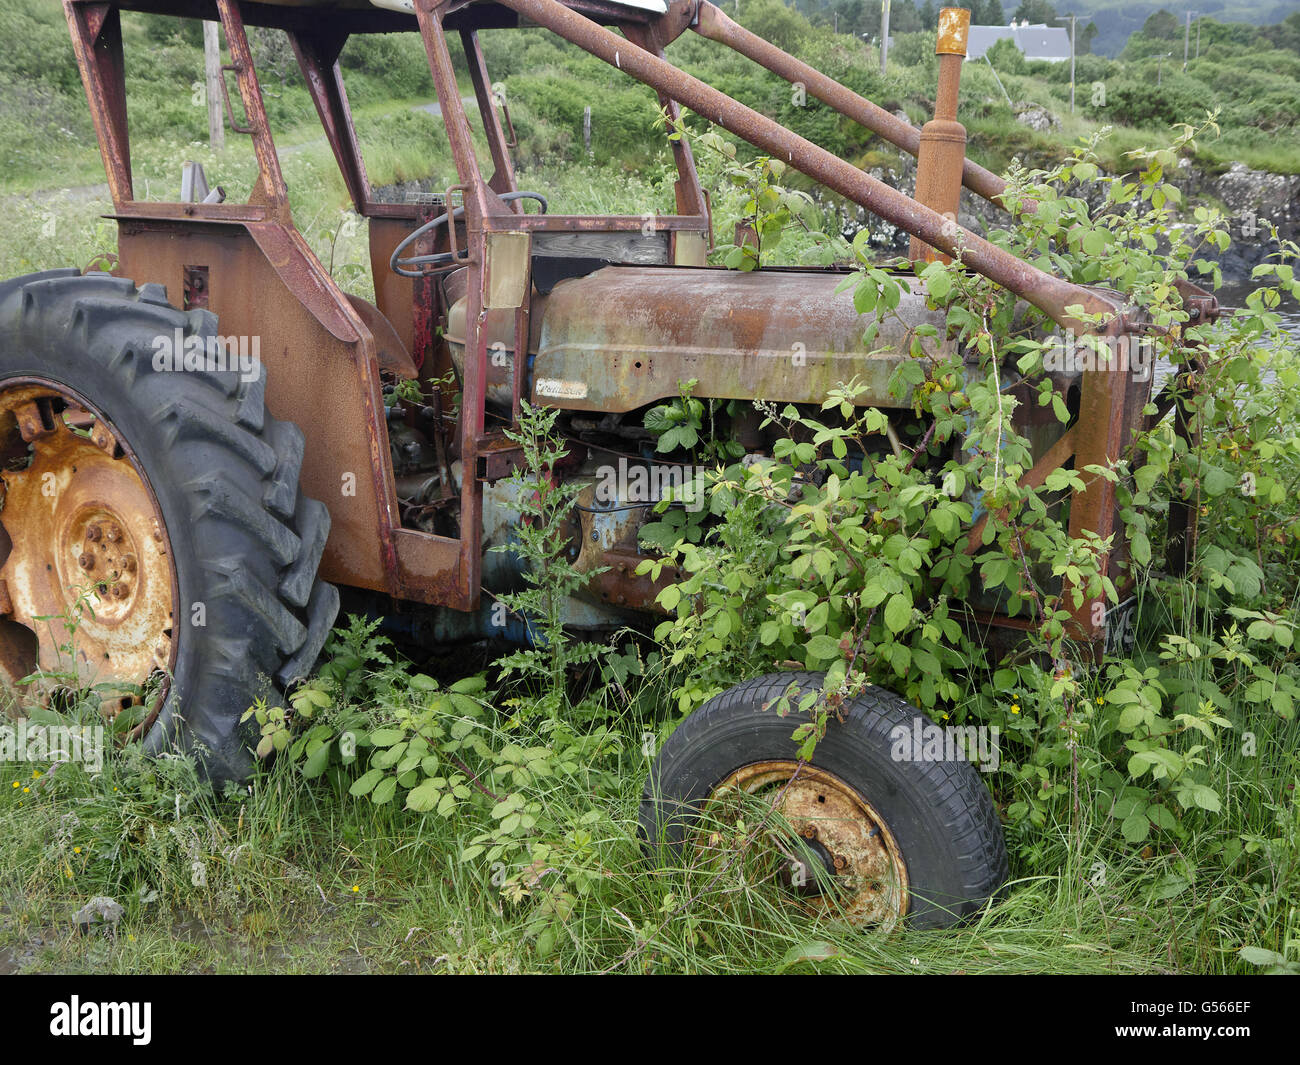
column 848, row 555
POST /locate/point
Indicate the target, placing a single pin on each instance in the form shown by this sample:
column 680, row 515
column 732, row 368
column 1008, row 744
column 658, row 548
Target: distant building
column 1050, row 43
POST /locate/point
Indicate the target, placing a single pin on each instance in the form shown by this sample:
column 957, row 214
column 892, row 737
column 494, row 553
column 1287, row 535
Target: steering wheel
column 404, row 266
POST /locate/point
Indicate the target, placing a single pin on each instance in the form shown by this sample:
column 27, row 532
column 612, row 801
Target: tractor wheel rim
column 836, row 829
column 87, row 568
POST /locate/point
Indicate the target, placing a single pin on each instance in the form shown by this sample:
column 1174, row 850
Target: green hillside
column 1112, row 21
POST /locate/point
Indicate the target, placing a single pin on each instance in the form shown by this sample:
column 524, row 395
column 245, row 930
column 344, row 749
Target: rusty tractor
column 210, row 517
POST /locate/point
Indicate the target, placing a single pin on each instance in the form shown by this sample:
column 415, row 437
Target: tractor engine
column 606, row 348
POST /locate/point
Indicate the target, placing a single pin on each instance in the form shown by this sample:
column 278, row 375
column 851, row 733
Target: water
column 1235, row 296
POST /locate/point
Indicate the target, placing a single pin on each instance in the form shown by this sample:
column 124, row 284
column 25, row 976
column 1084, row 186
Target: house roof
column 1037, row 42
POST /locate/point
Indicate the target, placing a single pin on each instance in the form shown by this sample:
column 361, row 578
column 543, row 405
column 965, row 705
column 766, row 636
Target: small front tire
column 896, row 838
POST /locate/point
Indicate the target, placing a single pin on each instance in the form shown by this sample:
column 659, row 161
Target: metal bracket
column 225, row 92
column 496, row 457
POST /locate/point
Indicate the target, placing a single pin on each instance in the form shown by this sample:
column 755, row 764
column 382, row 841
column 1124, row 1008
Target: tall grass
column 299, row 877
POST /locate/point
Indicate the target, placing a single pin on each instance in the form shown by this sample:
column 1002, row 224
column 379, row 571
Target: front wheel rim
column 840, row 841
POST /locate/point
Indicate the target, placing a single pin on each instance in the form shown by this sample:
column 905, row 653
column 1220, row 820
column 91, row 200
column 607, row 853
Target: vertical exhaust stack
column 942, row 152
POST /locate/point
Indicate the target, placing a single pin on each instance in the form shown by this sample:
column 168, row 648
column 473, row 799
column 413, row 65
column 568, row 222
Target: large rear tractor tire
column 858, row 833
column 155, row 549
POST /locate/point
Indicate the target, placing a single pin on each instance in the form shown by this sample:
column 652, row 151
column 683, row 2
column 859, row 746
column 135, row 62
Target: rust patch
column 626, row 336
column 954, row 28
column 86, row 573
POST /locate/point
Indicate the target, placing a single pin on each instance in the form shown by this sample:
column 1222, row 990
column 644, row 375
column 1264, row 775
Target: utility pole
column 212, row 78
column 1071, row 19
column 884, row 33
column 1160, row 66
column 1198, row 38
column 1187, row 35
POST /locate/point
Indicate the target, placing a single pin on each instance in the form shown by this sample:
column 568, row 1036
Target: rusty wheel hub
column 838, row 856
column 87, row 582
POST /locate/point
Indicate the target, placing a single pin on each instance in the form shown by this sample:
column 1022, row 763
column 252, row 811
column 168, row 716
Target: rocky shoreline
column 1250, row 198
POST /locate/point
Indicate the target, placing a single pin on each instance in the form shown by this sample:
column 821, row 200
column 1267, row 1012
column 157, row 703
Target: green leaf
column 1145, row 478
column 813, row 951
column 1162, row 818
column 722, row 624
column 937, row 282
column 365, row 783
column 423, row 797
column 1216, row 481
column 1094, row 242
column 1261, row 956
column 874, row 594
column 1135, row 827
column 1141, row 548
column 898, row 612
column 822, row 648
column 316, row 762
column 1131, row 717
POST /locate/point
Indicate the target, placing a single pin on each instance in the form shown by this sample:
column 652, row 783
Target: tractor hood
column 627, row 336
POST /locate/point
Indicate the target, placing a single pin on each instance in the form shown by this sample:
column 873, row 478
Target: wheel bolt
column 86, row 561
column 128, row 564
column 93, row 534
column 114, row 534
column 120, row 590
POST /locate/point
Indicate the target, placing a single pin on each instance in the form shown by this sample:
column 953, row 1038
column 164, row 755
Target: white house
column 1050, row 43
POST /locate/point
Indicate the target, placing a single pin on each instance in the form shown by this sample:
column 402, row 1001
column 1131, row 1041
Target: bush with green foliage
column 1006, row 58
column 846, row 556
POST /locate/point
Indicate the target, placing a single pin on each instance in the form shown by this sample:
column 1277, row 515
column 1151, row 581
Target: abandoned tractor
column 209, row 516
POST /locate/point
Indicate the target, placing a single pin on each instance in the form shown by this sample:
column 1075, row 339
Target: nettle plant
column 847, row 551
column 545, row 503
